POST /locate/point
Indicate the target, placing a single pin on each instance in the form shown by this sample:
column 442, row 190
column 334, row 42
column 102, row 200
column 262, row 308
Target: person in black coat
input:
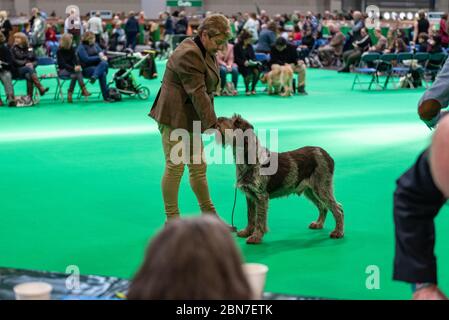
column 5, row 71
column 131, row 30
column 420, row 194
column 69, row 66
column 285, row 53
column 245, row 59
column 5, row 25
column 24, row 64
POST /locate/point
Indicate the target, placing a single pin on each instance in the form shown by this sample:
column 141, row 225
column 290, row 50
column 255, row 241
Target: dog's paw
column 245, row 233
column 315, row 225
column 337, row 234
column 254, row 239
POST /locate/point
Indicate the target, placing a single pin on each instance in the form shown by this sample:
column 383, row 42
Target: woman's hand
column 246, row 63
column 77, row 68
column 29, row 65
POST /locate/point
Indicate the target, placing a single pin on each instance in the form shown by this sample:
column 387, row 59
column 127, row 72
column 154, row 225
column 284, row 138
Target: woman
column 352, row 57
column 422, row 25
column 5, row 71
column 245, row 59
column 69, row 67
column 24, row 64
column 5, row 25
column 94, row 63
column 225, row 59
column 400, row 46
column 132, row 30
column 443, row 32
column 51, row 41
column 267, row 38
column 191, row 259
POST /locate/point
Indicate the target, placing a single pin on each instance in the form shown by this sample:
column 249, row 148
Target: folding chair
column 401, row 69
column 47, row 61
column 433, row 66
column 386, row 61
column 421, row 59
column 364, row 69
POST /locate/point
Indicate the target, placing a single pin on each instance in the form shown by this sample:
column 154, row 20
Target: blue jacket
column 89, row 55
column 267, row 38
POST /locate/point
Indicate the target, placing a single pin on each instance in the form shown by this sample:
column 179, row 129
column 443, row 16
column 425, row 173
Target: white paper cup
column 256, row 274
column 33, row 291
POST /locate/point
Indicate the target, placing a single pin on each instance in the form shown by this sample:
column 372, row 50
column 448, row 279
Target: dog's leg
column 325, row 194
column 321, row 207
column 261, row 220
column 251, row 205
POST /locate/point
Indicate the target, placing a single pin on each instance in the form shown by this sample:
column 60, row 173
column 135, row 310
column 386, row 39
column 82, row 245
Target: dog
column 279, row 80
column 307, row 170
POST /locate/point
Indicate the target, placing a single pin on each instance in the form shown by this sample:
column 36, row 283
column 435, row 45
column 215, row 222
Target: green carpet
column 80, row 185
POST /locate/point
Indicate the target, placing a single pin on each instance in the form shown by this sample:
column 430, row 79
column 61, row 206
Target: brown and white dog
column 307, row 170
column 279, row 80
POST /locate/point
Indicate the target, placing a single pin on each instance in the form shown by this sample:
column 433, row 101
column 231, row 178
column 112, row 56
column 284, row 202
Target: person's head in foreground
column 439, row 156
column 191, row 259
column 214, row 33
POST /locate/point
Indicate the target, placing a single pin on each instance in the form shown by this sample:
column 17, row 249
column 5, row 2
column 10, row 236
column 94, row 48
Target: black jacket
column 243, row 54
column 417, row 201
column 5, row 56
column 286, row 56
column 22, row 55
column 67, row 59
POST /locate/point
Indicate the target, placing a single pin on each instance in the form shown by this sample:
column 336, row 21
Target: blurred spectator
column 252, row 26
column 131, row 30
column 334, row 48
column 24, row 64
column 306, row 46
column 381, row 44
column 94, row 63
column 245, row 59
column 5, row 71
column 225, row 60
column 443, row 31
column 422, row 25
column 118, row 38
column 95, row 26
column 186, row 261
column 74, row 26
column 69, row 66
column 51, row 42
column 5, row 25
column 267, row 38
column 352, row 57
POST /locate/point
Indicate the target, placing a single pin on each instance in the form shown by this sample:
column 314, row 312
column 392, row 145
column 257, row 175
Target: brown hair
column 214, row 25
column 191, row 259
column 23, row 38
column 244, row 35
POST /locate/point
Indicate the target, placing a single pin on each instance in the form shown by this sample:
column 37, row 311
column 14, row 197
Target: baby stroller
column 124, row 80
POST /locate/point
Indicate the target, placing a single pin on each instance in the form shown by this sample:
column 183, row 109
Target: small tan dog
column 279, row 80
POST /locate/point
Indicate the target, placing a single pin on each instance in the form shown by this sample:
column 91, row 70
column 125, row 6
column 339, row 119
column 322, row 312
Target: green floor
column 80, row 185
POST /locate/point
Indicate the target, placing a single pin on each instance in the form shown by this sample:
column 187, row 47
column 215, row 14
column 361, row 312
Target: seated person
column 423, row 41
column 225, row 60
column 306, row 46
column 267, row 38
column 24, row 64
column 94, row 63
column 245, row 59
column 285, row 53
column 69, row 67
column 191, row 259
column 400, row 46
column 434, row 44
column 5, row 71
column 334, row 48
column 381, row 44
column 352, row 57
column 51, row 42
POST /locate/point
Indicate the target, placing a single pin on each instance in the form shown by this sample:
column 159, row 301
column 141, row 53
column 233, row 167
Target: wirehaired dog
column 279, row 80
column 307, row 170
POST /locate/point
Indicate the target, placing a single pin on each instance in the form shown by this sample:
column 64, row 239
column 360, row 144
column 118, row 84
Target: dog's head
column 238, row 133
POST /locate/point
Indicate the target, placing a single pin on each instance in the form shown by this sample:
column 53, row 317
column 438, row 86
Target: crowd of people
column 258, row 42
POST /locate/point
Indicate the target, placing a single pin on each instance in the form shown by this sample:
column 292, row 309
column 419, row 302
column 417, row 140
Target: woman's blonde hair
column 87, row 35
column 215, row 25
column 66, row 41
column 23, row 38
column 3, row 15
